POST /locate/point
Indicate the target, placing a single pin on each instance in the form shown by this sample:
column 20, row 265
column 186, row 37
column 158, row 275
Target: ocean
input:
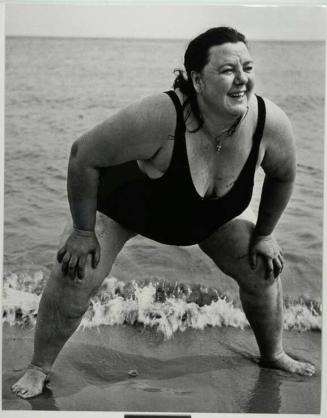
column 58, row 88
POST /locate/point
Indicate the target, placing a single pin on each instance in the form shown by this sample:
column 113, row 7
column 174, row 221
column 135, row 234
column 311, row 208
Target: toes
column 310, row 370
column 306, row 369
column 26, row 394
column 16, row 388
column 305, row 372
column 31, row 384
column 22, row 392
column 308, row 373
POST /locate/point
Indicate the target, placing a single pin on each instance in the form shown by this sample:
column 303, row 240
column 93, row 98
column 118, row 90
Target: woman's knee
column 71, row 295
column 229, row 249
column 253, row 281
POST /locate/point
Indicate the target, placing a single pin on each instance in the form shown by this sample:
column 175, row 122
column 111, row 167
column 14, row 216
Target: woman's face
column 226, row 82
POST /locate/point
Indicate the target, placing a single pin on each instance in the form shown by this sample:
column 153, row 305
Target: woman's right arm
column 132, row 134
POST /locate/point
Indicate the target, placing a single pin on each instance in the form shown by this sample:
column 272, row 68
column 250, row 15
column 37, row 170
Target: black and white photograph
column 163, row 179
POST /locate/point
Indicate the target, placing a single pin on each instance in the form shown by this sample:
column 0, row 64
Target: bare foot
column 286, row 363
column 31, row 383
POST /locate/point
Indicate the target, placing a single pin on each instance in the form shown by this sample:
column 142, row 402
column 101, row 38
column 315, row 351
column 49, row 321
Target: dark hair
column 197, row 56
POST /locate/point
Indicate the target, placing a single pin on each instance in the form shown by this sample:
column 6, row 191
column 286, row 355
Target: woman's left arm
column 279, row 165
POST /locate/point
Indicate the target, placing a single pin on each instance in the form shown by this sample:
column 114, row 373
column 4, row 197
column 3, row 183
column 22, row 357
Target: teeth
column 237, row 94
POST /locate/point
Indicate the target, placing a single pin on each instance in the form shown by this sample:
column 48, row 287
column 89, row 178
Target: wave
column 310, row 168
column 163, row 306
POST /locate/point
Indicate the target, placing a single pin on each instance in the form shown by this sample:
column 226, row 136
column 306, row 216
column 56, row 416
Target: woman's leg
column 262, row 299
column 64, row 302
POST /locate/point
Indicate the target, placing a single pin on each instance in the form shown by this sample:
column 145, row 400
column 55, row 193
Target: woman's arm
column 279, row 165
column 132, row 134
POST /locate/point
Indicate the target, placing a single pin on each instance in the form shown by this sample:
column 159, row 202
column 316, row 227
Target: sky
column 170, row 19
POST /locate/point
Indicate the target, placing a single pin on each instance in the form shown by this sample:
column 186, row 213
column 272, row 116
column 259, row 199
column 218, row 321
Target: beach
column 209, row 371
column 166, row 312
column 189, row 345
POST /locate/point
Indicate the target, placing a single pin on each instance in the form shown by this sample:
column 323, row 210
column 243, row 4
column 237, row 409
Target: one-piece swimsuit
column 169, row 209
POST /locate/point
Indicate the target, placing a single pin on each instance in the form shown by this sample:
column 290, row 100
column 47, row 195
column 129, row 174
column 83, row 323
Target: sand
column 214, row 370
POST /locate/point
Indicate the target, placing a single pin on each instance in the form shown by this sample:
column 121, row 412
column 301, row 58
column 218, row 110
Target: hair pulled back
column 197, row 56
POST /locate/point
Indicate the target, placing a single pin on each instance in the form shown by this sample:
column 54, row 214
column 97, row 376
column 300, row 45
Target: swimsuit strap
column 257, row 136
column 250, row 165
column 179, row 158
column 180, row 126
column 261, row 121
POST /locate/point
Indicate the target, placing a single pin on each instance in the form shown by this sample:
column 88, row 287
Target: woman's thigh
column 229, row 246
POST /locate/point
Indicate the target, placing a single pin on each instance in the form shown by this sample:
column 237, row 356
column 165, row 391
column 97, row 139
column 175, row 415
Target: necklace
column 218, row 139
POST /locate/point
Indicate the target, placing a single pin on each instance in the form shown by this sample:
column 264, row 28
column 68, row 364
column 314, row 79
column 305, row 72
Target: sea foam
column 163, row 306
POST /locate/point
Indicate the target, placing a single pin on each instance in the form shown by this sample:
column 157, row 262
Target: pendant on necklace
column 218, row 147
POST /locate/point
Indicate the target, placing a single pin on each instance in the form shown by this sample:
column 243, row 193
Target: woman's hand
column 73, row 255
column 267, row 247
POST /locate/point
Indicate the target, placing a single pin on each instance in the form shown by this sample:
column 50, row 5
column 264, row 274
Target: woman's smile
column 238, row 94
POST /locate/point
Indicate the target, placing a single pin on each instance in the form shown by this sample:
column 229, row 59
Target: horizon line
column 136, row 38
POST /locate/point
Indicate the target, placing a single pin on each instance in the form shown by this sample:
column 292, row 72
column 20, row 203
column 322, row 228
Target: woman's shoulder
column 155, row 112
column 277, row 122
column 278, row 144
column 155, row 105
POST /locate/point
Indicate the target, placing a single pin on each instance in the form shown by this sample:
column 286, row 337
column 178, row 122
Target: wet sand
column 214, row 370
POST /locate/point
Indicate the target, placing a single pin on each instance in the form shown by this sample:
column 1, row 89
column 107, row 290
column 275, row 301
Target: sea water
column 57, row 89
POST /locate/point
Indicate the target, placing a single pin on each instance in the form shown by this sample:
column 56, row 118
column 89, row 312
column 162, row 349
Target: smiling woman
column 197, row 195
column 226, row 82
column 216, row 63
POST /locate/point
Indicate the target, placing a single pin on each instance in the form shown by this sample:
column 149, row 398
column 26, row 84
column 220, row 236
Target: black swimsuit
column 169, row 209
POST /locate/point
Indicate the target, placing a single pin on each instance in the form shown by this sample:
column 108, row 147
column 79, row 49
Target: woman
column 178, row 167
